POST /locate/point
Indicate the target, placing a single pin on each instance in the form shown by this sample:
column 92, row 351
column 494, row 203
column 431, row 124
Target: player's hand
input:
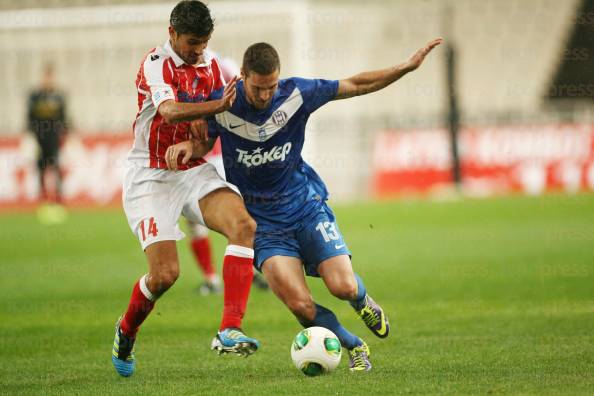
column 199, row 130
column 418, row 57
column 229, row 94
column 173, row 152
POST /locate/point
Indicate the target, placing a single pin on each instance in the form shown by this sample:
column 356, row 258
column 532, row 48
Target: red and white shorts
column 154, row 199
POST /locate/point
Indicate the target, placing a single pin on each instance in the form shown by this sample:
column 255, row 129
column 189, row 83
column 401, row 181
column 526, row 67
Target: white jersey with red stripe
column 163, row 76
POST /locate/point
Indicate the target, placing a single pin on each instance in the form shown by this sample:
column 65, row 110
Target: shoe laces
column 370, row 316
column 359, row 357
column 234, row 334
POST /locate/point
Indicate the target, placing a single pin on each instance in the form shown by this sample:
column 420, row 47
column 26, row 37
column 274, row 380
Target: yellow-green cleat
column 122, row 354
column 374, row 318
column 359, row 358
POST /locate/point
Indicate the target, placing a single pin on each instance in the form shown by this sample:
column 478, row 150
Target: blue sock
column 326, row 318
column 359, row 301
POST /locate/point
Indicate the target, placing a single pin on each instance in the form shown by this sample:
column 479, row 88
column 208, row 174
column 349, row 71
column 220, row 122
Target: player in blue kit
column 262, row 136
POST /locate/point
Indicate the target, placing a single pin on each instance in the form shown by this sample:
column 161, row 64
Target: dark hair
column 191, row 16
column 260, row 58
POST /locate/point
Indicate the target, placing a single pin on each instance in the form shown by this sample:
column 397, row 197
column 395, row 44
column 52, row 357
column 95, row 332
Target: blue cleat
column 234, row 340
column 122, row 355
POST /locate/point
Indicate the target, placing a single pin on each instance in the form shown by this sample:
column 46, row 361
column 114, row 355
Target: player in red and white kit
column 174, row 84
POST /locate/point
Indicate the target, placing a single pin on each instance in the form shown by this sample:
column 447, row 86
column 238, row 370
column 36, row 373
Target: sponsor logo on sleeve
column 162, row 94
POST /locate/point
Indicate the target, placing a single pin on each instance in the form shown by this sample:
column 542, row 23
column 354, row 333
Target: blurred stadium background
column 488, row 295
column 523, row 79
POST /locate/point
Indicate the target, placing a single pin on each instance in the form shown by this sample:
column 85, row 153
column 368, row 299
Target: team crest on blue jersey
column 262, row 134
column 279, row 117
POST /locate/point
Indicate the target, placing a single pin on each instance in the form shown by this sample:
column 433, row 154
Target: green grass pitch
column 485, row 296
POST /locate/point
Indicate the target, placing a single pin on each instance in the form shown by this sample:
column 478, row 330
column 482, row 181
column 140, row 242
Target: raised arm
column 371, row 81
column 173, row 112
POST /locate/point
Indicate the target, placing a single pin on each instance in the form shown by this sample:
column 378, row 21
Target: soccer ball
column 316, row 351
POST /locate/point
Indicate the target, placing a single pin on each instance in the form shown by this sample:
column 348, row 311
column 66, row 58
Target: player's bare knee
column 243, row 231
column 344, row 290
column 164, row 278
column 303, row 309
column 247, row 227
column 168, row 277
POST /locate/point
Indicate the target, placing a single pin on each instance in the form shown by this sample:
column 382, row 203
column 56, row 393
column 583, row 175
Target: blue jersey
column 262, row 151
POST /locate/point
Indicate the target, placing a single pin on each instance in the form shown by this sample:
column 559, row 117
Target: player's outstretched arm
column 371, row 81
column 173, row 112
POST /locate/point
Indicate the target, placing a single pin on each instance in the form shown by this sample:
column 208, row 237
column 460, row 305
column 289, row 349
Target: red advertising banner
column 496, row 160
column 93, row 168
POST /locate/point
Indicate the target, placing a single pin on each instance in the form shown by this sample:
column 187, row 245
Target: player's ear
column 242, row 74
column 172, row 33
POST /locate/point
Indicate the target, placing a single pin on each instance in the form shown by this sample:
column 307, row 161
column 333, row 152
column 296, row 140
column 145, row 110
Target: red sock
column 237, row 274
column 202, row 252
column 141, row 304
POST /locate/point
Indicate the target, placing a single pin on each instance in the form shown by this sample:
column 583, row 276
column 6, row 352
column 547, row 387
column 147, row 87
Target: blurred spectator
column 47, row 122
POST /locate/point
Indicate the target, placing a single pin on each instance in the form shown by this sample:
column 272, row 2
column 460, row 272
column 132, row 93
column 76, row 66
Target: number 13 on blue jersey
column 328, row 231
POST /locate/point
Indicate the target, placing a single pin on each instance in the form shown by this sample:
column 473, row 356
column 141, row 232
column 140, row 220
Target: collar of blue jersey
column 206, row 56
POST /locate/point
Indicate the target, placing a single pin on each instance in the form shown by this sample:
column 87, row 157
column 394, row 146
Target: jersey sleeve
column 158, row 77
column 213, row 128
column 218, row 80
column 217, row 73
column 316, row 93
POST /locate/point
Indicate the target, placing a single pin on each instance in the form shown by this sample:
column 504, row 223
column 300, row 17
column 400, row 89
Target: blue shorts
column 313, row 240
